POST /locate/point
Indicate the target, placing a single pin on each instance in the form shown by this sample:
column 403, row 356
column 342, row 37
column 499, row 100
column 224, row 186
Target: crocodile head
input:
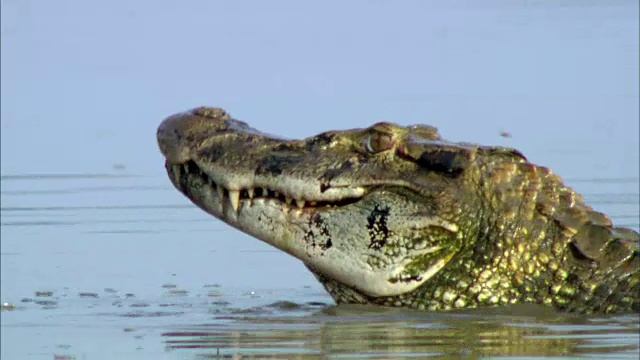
column 378, row 209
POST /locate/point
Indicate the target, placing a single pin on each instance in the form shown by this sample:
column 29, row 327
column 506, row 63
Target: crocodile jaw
column 186, row 139
column 212, row 159
column 290, row 228
column 300, row 232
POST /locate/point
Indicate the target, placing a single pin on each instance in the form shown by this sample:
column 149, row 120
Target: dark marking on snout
column 324, row 186
column 285, row 146
column 318, row 234
column 321, row 140
column 406, row 280
column 377, row 227
column 212, row 153
column 275, row 164
column 325, row 179
column 449, row 162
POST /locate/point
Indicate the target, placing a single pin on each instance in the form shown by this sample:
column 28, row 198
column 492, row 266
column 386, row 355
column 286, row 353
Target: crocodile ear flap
column 438, row 156
column 503, row 151
column 449, row 158
column 450, row 161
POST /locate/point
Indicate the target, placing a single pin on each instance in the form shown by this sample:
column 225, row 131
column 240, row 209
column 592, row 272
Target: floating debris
column 88, row 295
column 8, row 306
column 63, row 357
column 214, row 293
column 251, row 294
column 47, row 304
column 139, row 304
column 220, row 303
column 177, row 292
column 285, row 305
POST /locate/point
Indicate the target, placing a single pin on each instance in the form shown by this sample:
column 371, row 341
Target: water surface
column 124, row 274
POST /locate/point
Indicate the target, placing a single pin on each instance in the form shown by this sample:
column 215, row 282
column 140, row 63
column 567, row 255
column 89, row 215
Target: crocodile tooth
column 312, row 203
column 234, row 199
column 300, row 203
column 250, row 196
column 276, row 194
column 220, row 191
column 177, row 170
column 288, row 200
column 186, row 168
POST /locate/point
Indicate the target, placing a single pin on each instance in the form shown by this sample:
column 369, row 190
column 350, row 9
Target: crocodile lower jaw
column 188, row 177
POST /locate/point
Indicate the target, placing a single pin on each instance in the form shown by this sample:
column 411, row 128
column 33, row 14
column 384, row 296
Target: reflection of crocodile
column 397, row 216
column 512, row 331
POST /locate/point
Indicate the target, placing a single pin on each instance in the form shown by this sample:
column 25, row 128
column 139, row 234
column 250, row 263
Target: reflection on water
column 84, row 258
column 358, row 331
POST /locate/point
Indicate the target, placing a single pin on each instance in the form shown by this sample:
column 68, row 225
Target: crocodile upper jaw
column 186, row 140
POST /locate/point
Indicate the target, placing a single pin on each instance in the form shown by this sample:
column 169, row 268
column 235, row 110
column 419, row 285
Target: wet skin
column 397, row 216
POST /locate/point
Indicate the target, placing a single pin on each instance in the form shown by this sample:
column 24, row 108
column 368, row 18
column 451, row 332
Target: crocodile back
column 591, row 265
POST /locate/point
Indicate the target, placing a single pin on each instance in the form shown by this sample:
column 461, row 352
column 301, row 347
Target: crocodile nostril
column 211, row 113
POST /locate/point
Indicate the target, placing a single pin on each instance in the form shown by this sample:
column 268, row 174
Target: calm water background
column 102, row 259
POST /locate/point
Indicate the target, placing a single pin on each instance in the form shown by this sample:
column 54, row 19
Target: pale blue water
column 87, row 215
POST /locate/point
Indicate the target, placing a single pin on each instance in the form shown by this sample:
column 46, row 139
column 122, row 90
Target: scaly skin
column 397, row 216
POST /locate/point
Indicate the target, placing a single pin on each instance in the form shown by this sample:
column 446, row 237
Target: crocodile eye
column 378, row 141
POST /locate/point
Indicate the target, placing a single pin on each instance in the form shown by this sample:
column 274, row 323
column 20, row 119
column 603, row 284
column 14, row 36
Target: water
column 101, row 258
column 92, row 268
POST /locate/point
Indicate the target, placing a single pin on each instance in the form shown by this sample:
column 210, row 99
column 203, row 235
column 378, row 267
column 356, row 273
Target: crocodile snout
column 180, row 133
column 170, row 135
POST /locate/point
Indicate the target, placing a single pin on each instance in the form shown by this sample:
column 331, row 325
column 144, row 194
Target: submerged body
column 398, row 216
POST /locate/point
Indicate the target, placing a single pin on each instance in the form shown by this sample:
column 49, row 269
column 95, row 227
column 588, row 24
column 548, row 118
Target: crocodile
column 398, row 216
